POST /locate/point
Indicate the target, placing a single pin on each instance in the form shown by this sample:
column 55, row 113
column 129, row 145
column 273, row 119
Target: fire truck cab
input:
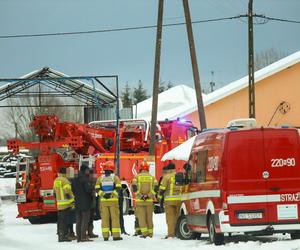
column 241, row 181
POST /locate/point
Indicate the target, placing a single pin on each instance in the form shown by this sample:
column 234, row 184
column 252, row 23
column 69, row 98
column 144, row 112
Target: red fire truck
column 66, row 144
column 242, row 180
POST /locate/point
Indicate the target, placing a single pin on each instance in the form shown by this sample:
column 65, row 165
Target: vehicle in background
column 8, row 165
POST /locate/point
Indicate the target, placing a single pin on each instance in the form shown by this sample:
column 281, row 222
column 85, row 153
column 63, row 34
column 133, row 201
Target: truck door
column 244, row 178
column 282, row 165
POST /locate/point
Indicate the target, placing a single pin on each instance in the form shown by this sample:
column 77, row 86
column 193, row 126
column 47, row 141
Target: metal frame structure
column 60, row 85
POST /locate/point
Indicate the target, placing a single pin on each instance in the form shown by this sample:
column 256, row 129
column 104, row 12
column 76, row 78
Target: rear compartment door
column 244, row 178
column 282, row 163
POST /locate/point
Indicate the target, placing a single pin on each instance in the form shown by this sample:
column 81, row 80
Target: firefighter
column 108, row 185
column 172, row 199
column 145, row 187
column 65, row 201
column 82, row 189
column 161, row 201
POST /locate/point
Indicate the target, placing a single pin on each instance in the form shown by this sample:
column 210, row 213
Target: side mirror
column 179, row 179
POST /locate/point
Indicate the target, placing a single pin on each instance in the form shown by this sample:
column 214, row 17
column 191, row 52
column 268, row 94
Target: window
column 199, row 166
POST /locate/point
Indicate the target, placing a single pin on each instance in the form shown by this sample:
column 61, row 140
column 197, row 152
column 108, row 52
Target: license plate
column 249, row 216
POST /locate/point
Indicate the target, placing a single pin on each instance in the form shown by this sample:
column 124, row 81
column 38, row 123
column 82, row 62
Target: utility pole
column 156, row 77
column 196, row 76
column 117, row 156
column 251, row 61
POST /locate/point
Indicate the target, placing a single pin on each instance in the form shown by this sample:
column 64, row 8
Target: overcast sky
column 221, row 46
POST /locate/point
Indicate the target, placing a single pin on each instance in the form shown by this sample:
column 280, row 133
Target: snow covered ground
column 20, row 234
column 7, row 187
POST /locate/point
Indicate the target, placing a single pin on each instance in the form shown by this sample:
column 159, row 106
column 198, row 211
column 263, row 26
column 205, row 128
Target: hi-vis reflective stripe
column 105, row 229
column 140, row 200
column 67, row 186
column 121, row 157
column 201, row 194
column 173, row 198
column 172, row 182
column 64, row 202
column 110, row 199
column 253, row 199
column 116, row 230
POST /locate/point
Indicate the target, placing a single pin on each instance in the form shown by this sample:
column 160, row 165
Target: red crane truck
column 64, row 144
column 241, row 180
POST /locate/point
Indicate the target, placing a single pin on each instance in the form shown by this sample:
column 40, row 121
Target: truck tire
column 216, row 238
column 295, row 235
column 183, row 232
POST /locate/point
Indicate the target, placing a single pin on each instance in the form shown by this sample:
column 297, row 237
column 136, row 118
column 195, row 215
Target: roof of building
column 66, row 87
column 242, row 83
column 171, row 102
column 181, row 100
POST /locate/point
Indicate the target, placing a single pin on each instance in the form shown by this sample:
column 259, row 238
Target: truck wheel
column 126, row 202
column 216, row 238
column 183, row 232
column 295, row 235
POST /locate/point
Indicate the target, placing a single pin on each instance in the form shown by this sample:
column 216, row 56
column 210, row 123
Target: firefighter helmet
column 109, row 165
column 144, row 166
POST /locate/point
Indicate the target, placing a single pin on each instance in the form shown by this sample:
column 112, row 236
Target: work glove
column 107, row 196
column 145, row 197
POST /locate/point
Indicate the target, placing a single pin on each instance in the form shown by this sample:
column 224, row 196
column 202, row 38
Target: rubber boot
column 117, row 238
column 62, row 238
column 72, row 236
column 90, row 232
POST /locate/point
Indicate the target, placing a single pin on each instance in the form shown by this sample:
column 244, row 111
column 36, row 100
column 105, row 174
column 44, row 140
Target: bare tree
column 17, row 119
column 267, row 57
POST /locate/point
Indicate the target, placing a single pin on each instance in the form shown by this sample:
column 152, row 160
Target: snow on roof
column 181, row 100
column 259, row 75
column 171, row 103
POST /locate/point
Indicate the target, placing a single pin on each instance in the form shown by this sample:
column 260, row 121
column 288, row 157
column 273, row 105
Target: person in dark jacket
column 93, row 207
column 82, row 189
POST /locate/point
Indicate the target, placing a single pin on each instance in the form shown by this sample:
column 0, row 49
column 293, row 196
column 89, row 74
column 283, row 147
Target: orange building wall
column 269, row 93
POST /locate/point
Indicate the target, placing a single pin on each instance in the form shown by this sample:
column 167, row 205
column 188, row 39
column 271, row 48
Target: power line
column 278, row 19
column 239, row 17
column 115, row 29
